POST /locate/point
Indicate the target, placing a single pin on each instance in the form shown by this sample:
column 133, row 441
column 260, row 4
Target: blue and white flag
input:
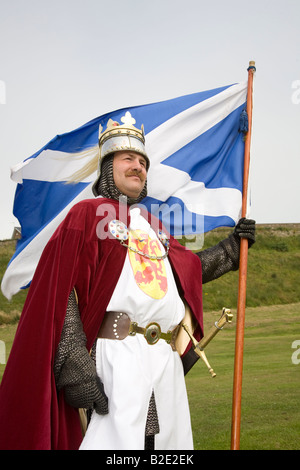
column 196, row 151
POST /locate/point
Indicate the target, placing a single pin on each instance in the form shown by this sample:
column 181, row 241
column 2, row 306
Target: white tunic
column 131, row 368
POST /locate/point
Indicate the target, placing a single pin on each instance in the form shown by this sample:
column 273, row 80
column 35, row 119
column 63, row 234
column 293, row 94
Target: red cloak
column 32, row 415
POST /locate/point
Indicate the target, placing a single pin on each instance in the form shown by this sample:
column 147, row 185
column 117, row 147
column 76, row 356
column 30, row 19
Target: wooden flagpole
column 240, row 322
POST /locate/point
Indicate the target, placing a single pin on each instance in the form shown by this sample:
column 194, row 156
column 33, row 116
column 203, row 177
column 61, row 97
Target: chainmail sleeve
column 72, row 336
column 220, row 259
column 74, row 369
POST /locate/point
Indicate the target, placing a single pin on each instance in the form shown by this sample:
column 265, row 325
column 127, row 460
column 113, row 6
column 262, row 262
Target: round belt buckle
column 152, row 333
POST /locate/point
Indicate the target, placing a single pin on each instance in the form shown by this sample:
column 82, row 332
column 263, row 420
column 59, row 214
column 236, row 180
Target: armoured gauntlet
column 74, row 369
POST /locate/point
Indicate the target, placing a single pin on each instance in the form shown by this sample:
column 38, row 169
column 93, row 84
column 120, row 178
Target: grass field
column 271, row 381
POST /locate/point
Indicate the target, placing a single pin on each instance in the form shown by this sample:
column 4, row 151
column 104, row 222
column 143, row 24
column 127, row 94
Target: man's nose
column 137, row 166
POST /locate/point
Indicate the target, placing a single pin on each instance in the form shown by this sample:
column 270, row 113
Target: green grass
column 273, row 270
column 9, row 310
column 7, row 334
column 270, row 395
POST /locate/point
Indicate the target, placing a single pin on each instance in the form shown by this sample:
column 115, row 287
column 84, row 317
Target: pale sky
column 65, row 62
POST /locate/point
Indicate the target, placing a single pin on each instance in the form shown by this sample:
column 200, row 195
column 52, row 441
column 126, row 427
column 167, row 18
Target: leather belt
column 117, row 325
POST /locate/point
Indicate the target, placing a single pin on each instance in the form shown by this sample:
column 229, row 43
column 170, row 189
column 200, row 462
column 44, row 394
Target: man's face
column 129, row 170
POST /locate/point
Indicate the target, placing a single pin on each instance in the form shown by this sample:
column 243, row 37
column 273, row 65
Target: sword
column 225, row 318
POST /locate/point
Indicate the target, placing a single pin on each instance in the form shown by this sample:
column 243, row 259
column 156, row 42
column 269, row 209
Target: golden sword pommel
column 225, row 318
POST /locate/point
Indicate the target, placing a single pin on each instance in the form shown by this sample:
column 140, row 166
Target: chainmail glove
column 74, row 369
column 82, row 387
column 245, row 228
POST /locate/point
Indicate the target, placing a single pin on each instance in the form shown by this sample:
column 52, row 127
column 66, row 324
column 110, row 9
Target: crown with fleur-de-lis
column 127, row 129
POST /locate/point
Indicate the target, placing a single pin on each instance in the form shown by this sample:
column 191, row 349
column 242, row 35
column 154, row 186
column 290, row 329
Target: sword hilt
column 225, row 318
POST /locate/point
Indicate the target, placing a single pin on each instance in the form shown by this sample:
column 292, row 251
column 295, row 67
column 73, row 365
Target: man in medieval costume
column 100, row 329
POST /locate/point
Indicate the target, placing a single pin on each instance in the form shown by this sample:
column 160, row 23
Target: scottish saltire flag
column 196, row 151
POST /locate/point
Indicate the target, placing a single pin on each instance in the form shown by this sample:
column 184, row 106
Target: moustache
column 135, row 173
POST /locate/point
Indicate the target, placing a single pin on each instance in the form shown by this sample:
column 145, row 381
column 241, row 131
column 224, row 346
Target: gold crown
column 114, row 129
